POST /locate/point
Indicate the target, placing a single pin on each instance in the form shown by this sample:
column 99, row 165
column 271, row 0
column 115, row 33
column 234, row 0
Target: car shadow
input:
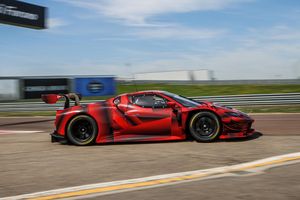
column 145, row 142
column 252, row 137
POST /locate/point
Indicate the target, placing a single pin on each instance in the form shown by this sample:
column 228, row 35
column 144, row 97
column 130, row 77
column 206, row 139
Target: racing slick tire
column 204, row 126
column 82, row 130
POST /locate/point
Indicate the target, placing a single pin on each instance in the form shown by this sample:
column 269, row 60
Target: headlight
column 233, row 114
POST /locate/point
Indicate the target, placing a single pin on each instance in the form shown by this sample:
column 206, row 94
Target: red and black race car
column 146, row 116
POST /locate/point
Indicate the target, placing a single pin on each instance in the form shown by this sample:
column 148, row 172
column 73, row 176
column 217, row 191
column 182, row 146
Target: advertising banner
column 95, row 86
column 34, row 88
column 22, row 14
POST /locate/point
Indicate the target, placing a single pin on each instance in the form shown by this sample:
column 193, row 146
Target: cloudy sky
column 238, row 39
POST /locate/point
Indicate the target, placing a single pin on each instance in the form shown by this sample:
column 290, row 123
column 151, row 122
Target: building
column 181, row 75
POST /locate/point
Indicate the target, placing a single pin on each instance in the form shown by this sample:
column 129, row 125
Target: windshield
column 186, row 102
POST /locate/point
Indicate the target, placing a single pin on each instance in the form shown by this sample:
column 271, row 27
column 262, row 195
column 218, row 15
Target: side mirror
column 171, row 104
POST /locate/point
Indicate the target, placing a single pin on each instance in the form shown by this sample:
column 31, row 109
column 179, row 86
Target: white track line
column 9, row 132
column 98, row 189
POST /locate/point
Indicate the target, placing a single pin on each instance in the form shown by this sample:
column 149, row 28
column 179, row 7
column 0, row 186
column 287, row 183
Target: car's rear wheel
column 204, row 126
column 82, row 130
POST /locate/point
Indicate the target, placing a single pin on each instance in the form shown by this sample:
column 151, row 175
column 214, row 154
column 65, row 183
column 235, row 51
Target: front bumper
column 238, row 128
column 242, row 134
column 55, row 137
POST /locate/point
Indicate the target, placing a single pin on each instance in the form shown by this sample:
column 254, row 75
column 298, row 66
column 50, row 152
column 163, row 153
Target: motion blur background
column 241, row 53
column 100, row 48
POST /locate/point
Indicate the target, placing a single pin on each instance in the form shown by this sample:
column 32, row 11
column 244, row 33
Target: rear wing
column 53, row 98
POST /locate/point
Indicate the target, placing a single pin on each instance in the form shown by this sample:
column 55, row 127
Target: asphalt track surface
column 29, row 162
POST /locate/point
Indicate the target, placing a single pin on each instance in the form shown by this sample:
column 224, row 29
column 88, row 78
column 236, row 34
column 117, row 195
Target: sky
column 237, row 39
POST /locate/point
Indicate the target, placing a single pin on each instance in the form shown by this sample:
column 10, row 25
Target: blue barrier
column 97, row 86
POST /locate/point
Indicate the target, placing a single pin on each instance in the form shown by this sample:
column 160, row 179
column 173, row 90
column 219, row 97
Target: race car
column 145, row 116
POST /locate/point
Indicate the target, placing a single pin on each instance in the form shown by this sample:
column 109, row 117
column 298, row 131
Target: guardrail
column 229, row 100
column 253, row 99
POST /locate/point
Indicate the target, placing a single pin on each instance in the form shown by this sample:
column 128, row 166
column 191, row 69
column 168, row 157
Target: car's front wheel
column 204, row 126
column 82, row 130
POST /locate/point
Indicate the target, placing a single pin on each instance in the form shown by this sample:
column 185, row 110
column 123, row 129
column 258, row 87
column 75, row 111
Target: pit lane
column 30, row 163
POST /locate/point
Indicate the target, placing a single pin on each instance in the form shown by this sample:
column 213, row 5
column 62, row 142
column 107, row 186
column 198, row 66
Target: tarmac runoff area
column 266, row 166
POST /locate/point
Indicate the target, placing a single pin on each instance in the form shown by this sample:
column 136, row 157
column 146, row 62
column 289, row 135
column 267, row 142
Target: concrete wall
column 202, row 75
column 9, row 89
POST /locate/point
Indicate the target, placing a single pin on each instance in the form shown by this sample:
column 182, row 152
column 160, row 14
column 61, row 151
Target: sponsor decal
column 35, row 87
column 14, row 12
column 45, row 88
column 95, row 87
column 23, row 14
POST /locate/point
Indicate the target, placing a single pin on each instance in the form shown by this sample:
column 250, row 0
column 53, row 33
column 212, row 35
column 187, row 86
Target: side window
column 159, row 102
column 145, row 101
column 149, row 101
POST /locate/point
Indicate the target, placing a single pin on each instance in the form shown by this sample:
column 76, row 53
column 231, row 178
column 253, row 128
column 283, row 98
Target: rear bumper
column 55, row 137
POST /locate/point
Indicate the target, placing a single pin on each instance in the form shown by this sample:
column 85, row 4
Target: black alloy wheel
column 204, row 126
column 82, row 130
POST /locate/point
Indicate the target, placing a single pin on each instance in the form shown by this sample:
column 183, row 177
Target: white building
column 182, row 75
column 9, row 89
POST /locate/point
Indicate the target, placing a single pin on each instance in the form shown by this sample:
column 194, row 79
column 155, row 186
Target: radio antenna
column 129, row 66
